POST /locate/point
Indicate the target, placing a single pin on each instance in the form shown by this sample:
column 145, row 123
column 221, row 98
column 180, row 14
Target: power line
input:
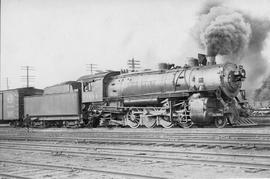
column 28, row 78
column 133, row 64
column 91, row 67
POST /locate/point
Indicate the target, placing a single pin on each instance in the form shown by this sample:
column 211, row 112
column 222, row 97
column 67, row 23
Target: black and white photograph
column 123, row 89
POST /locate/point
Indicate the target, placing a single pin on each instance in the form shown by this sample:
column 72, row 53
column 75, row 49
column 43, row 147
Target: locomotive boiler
column 202, row 92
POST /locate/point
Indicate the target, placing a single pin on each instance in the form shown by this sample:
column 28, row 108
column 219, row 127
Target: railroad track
column 127, row 150
column 242, row 130
column 209, row 143
column 141, row 134
column 47, row 167
column 153, row 137
column 243, row 160
column 81, row 147
column 148, row 134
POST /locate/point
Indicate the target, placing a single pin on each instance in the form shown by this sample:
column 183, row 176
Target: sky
column 58, row 38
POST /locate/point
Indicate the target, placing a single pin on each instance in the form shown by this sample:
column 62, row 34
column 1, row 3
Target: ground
column 157, row 168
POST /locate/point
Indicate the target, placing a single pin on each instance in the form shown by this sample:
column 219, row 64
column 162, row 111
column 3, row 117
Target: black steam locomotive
column 201, row 93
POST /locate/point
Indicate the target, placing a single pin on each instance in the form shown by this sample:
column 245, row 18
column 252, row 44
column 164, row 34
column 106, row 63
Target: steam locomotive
column 201, row 93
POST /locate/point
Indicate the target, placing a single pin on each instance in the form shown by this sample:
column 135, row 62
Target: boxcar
column 12, row 104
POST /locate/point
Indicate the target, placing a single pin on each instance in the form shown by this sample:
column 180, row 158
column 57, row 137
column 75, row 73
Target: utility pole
column 133, row 64
column 7, row 84
column 0, row 43
column 28, row 78
column 91, row 67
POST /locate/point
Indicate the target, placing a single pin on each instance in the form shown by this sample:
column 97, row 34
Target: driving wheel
column 165, row 122
column 133, row 120
column 149, row 121
column 221, row 122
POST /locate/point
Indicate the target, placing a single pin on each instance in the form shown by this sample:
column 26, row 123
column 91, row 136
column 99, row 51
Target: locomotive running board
column 245, row 122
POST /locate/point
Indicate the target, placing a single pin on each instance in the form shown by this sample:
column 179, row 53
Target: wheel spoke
column 133, row 120
column 165, row 122
column 149, row 121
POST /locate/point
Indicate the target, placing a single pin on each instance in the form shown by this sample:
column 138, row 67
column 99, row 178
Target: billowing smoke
column 224, row 32
column 255, row 63
column 263, row 93
column 237, row 37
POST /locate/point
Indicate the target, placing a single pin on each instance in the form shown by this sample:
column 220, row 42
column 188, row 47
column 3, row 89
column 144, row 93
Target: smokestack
column 211, row 60
column 211, row 55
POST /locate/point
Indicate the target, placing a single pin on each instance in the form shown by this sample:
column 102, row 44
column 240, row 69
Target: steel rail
column 147, row 131
column 143, row 141
column 264, row 137
column 137, row 150
column 150, row 135
column 13, row 176
column 143, row 157
column 235, row 130
column 82, row 169
column 254, row 138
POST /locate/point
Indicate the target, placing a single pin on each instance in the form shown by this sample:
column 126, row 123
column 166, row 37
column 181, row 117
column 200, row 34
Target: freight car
column 12, row 102
column 201, row 93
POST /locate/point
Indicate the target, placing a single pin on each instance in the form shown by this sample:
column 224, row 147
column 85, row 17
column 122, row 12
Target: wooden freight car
column 12, row 104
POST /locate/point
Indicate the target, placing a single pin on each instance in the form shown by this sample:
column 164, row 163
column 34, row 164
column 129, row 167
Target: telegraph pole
column 28, row 78
column 133, row 64
column 0, row 43
column 7, row 84
column 91, row 67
